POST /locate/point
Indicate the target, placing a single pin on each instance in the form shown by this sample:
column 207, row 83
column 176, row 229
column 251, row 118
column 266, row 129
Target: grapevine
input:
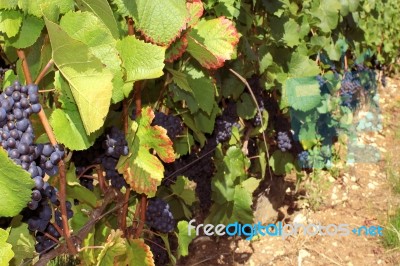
column 115, row 132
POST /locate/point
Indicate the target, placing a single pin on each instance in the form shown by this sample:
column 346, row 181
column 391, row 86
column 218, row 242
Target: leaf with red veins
column 176, row 50
column 196, row 10
column 142, row 170
column 212, row 42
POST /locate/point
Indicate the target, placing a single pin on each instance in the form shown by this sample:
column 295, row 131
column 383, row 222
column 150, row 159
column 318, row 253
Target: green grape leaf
column 183, row 190
column 308, row 135
column 211, row 42
column 103, row 11
column 328, row 14
column 197, row 88
column 22, row 241
column 8, row 4
column 301, row 66
column 6, row 253
column 10, row 22
column 157, row 25
column 40, row 7
column 281, row 162
column 184, row 238
column 242, row 201
column 196, row 10
column 28, row 34
column 203, row 89
column 189, row 122
column 138, row 253
column 292, row 34
column 136, row 61
column 144, row 171
column 176, row 49
column 205, row 122
column 115, row 246
column 303, row 93
column 90, row 81
column 15, row 186
column 181, row 80
column 91, row 30
column 232, row 168
column 66, row 121
column 246, row 107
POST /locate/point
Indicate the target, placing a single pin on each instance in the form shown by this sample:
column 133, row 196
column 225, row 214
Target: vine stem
column 143, row 205
column 61, row 165
column 124, row 210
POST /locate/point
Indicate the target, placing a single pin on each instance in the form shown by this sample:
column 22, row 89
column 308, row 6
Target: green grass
column 391, row 233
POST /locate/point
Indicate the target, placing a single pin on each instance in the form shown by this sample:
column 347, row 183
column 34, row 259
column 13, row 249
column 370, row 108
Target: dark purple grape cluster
column 40, row 222
column 17, row 103
column 115, row 146
column 171, row 123
column 158, row 216
column 322, row 84
column 198, row 167
column 105, row 151
column 255, row 85
column 303, row 158
column 225, row 122
column 349, row 87
column 284, row 143
column 157, row 247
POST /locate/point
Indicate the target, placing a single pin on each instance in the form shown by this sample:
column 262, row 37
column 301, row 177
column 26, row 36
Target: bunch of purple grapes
column 172, row 124
column 303, row 158
column 158, row 216
column 349, row 87
column 105, row 151
column 284, row 143
column 225, row 122
column 17, row 103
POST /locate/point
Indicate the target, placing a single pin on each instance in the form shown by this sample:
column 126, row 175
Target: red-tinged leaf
column 141, row 169
column 160, row 22
column 211, row 42
column 138, row 253
column 176, row 50
column 196, row 10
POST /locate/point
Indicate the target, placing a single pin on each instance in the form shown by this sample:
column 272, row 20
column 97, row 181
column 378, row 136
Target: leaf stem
column 44, row 71
column 61, row 165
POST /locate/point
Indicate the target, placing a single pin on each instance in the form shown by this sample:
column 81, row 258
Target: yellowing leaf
column 211, row 42
column 144, row 171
